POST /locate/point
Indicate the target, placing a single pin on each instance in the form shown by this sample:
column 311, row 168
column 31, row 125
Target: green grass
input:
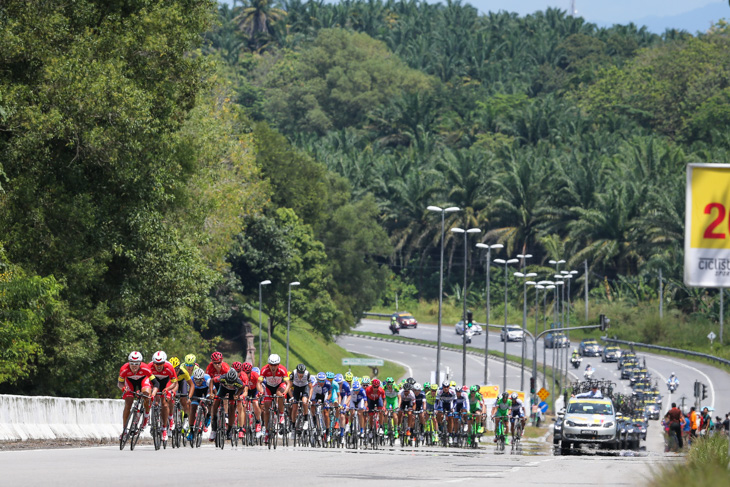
column 492, row 353
column 308, row 347
column 705, row 464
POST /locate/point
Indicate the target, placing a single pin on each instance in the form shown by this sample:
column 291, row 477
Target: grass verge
column 705, row 464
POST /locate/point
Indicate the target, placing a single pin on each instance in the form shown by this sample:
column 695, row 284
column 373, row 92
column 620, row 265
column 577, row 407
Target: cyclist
column 517, row 412
column 300, row 391
column 461, row 403
column 420, row 403
column 165, row 374
column 230, row 386
column 376, row 397
column 190, row 364
column 391, row 402
column 349, row 378
column 136, row 376
column 476, row 406
column 238, row 367
column 500, row 412
column 446, row 395
column 276, row 383
column 430, row 408
column 356, row 404
column 254, row 389
column 217, row 366
column 185, row 383
column 406, row 403
column 200, row 389
column 344, row 393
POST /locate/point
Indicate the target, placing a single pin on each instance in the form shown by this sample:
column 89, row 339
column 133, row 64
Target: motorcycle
column 588, row 374
column 672, row 387
column 394, row 328
column 468, row 335
column 576, row 361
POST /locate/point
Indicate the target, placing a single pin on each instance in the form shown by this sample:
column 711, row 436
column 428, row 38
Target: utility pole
column 661, row 295
column 573, row 10
column 585, row 286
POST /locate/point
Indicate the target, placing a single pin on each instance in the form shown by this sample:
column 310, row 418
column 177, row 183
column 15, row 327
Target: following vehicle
column 589, row 348
column 512, row 333
column 611, row 354
column 588, row 421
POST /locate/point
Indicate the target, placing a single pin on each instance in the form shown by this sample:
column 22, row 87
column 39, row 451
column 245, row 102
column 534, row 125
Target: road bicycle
column 499, row 432
column 301, row 436
column 220, row 425
column 352, row 435
column 198, row 426
column 273, row 427
column 176, row 435
column 156, row 422
column 133, row 429
column 516, row 433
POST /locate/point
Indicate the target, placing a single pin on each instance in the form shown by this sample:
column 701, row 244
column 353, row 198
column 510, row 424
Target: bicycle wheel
column 155, row 429
column 220, row 436
column 131, row 419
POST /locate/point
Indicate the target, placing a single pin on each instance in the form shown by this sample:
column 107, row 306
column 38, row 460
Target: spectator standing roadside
column 726, row 424
column 676, row 420
column 694, row 420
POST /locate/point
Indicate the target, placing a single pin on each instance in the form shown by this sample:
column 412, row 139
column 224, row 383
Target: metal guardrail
column 379, row 315
column 668, row 349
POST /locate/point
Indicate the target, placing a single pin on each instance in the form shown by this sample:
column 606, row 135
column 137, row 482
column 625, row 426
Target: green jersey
column 475, row 402
column 503, row 408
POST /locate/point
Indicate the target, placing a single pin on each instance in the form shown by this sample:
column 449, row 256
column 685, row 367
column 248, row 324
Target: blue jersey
column 203, row 384
column 335, row 392
column 344, row 389
column 322, row 388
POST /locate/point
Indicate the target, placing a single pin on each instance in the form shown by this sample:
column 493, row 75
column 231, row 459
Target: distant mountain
column 699, row 19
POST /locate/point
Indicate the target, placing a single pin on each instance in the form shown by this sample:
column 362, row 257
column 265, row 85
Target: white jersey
column 299, row 380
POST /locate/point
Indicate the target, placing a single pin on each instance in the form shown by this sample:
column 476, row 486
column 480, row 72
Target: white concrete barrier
column 46, row 418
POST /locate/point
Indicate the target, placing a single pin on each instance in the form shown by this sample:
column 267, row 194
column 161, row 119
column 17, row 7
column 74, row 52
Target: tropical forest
column 161, row 159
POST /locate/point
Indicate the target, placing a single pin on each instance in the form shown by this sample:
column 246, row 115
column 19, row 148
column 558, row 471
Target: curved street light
column 504, row 369
column 489, row 308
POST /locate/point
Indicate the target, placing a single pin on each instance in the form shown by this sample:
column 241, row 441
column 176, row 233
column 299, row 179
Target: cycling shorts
column 517, row 413
column 404, row 405
column 163, row 383
column 198, row 394
column 446, row 407
column 318, row 398
column 224, row 392
column 356, row 402
column 183, row 388
column 272, row 390
column 298, row 392
column 136, row 385
column 475, row 408
column 391, row 403
column 460, row 407
column 253, row 392
column 376, row 404
column 430, row 407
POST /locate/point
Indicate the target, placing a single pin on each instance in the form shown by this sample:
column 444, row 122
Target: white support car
column 513, row 333
column 590, row 421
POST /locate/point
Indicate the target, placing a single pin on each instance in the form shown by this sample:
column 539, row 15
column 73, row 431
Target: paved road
column 320, row 467
column 661, row 367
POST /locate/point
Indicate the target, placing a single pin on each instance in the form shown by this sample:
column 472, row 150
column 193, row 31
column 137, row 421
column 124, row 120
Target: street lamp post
column 463, row 296
column 504, row 369
column 443, row 212
column 569, row 275
column 489, row 308
column 288, row 322
column 262, row 283
column 548, row 285
column 559, row 354
column 525, row 277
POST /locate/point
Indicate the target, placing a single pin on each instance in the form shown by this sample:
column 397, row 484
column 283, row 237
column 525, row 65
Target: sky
column 657, row 15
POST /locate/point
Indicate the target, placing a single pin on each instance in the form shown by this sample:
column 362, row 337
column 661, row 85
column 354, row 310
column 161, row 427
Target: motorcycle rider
column 394, row 325
column 673, row 382
column 588, row 372
column 575, row 358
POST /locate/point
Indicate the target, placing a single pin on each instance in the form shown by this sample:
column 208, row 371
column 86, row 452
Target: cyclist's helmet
column 474, row 389
column 238, row 366
column 406, row 386
column 452, row 383
column 514, row 395
column 505, row 396
column 216, row 357
column 411, row 380
column 321, row 377
column 198, row 374
column 135, row 358
column 159, row 357
column 366, row 381
column 446, row 384
column 339, row 378
column 190, row 359
column 301, row 368
column 465, row 389
column 330, row 375
column 389, row 380
column 434, row 387
column 355, row 385
column 274, row 359
column 376, row 383
column 426, row 385
column 174, row 361
column 349, row 377
column 231, row 375
column 255, row 369
column 417, row 387
column 247, row 367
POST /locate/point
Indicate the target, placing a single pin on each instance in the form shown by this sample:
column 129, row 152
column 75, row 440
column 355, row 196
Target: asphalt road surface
column 661, row 367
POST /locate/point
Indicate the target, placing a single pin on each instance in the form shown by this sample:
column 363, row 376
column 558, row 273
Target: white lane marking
column 463, row 479
column 675, row 361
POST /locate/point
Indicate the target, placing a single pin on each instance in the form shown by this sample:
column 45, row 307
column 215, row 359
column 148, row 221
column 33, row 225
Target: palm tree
column 256, row 20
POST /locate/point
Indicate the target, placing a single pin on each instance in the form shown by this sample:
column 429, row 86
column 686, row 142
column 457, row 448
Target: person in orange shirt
column 694, row 423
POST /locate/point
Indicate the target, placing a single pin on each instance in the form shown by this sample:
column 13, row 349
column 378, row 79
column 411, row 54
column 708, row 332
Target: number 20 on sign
column 707, row 226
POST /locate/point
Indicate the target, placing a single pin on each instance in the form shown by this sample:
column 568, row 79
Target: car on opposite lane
column 589, row 348
column 513, row 333
column 404, row 320
column 476, row 328
column 611, row 354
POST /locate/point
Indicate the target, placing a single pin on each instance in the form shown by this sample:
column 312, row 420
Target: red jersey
column 244, row 378
column 253, row 380
column 214, row 374
column 374, row 394
column 167, row 372
column 273, row 379
column 143, row 372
